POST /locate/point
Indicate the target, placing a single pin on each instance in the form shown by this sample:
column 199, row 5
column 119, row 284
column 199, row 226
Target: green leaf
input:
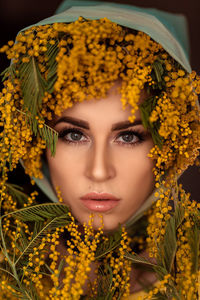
column 60, row 267
column 167, row 250
column 17, row 192
column 105, row 283
column 39, row 212
column 179, row 215
column 22, row 242
column 9, row 72
column 139, row 260
column 157, row 75
column 194, row 242
column 37, row 227
column 33, row 85
column 155, row 268
column 146, row 109
column 51, row 226
column 50, row 136
column 52, row 52
column 109, row 245
column 55, row 215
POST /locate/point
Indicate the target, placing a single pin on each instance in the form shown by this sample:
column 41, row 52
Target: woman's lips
column 100, row 202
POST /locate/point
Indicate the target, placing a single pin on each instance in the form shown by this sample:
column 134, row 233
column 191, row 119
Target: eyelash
column 139, row 135
column 62, row 135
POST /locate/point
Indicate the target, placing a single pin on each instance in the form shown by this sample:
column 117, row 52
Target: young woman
column 100, row 107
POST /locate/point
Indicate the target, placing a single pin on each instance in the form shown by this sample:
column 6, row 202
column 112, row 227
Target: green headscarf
column 169, row 30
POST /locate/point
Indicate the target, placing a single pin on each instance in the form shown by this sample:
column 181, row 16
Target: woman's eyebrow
column 126, row 124
column 73, row 121
column 85, row 125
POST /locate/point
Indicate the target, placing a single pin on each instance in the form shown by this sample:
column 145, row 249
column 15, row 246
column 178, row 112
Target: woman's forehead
column 106, row 109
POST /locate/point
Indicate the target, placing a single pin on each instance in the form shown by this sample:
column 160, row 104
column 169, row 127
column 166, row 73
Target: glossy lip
column 99, row 202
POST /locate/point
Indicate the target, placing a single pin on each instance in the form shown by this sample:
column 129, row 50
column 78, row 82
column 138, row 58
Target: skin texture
column 102, row 160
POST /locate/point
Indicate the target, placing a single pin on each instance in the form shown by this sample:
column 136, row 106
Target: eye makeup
column 72, row 135
column 130, row 137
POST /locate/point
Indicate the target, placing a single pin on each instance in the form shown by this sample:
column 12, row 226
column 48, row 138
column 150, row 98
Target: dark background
column 17, row 14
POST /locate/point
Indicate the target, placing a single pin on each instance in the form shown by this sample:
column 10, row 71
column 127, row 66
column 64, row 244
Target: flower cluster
column 55, row 66
column 82, row 60
column 178, row 113
column 60, row 268
column 121, row 268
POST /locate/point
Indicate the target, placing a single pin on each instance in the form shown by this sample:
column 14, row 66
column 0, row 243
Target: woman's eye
column 74, row 136
column 129, row 137
column 71, row 135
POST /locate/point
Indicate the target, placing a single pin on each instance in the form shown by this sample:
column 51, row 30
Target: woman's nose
column 99, row 165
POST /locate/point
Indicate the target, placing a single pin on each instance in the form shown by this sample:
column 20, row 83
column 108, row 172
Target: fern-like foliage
column 50, row 136
column 9, row 72
column 146, row 109
column 108, row 245
column 51, row 226
column 149, row 104
column 167, row 250
column 39, row 212
column 46, row 218
column 105, row 284
column 52, row 51
column 159, row 270
column 16, row 192
column 157, row 74
column 194, row 241
column 33, row 85
column 179, row 215
column 139, row 260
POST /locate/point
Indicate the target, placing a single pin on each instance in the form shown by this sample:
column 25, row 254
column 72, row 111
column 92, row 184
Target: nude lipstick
column 99, row 202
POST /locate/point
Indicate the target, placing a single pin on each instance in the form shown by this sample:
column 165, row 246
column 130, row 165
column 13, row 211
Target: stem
column 3, row 270
column 12, row 266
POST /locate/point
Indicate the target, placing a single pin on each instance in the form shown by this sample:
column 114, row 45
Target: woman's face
column 101, row 164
